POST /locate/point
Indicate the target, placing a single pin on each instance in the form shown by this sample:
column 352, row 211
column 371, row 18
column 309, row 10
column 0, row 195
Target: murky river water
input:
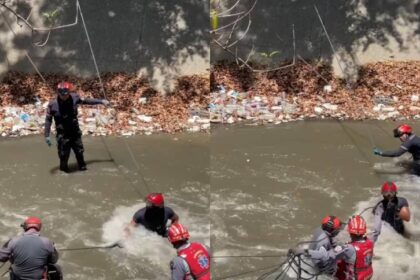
column 270, row 188
column 246, row 191
column 92, row 208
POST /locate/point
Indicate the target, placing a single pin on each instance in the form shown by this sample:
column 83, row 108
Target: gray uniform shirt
column 29, row 254
column 323, row 254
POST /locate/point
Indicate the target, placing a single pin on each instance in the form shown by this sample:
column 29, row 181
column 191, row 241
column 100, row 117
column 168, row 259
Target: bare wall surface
column 161, row 39
column 361, row 31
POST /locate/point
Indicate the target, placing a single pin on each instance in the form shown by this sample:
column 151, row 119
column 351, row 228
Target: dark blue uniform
column 154, row 218
column 69, row 135
column 411, row 145
column 388, row 211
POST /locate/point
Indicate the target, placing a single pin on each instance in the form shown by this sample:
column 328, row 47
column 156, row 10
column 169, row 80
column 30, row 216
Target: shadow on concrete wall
column 154, row 37
column 353, row 27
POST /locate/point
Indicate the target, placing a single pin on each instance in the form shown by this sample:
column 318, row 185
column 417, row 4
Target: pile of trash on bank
column 136, row 107
column 385, row 90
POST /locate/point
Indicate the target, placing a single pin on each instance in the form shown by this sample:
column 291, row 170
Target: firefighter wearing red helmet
column 409, row 143
column 323, row 250
column 392, row 209
column 31, row 254
column 193, row 258
column 357, row 261
column 63, row 109
column 155, row 216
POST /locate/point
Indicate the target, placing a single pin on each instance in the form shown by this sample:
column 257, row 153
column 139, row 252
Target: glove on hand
column 377, row 151
column 48, row 141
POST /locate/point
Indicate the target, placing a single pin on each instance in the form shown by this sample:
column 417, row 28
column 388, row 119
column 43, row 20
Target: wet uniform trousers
column 29, row 254
column 69, row 135
column 411, row 145
column 388, row 212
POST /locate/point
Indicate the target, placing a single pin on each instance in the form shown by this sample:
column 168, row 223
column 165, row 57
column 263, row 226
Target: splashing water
column 396, row 256
column 146, row 250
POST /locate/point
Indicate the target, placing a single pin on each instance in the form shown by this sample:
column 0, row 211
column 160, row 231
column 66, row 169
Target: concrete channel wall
column 360, row 31
column 161, row 39
column 164, row 39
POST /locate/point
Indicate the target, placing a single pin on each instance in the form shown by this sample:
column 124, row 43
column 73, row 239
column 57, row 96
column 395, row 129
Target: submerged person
column 63, row 110
column 193, row 258
column 356, row 263
column 323, row 250
column 391, row 209
column 409, row 143
column 154, row 217
column 31, row 254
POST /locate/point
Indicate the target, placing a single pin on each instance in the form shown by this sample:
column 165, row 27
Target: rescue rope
column 246, row 256
column 109, row 246
column 78, row 10
column 105, row 97
column 244, row 273
column 329, row 40
column 295, row 263
column 91, row 49
column 367, row 208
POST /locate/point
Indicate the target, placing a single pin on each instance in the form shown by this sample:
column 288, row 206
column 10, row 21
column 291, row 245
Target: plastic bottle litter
column 24, row 117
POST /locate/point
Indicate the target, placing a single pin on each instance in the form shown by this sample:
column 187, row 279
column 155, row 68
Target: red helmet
column 357, row 225
column 402, row 129
column 155, row 199
column 178, row 232
column 331, row 224
column 32, row 222
column 389, row 187
column 64, row 88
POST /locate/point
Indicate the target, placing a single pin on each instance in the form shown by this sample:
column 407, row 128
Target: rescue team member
column 69, row 136
column 193, row 259
column 30, row 253
column 392, row 209
column 323, row 250
column 409, row 143
column 154, row 216
column 357, row 258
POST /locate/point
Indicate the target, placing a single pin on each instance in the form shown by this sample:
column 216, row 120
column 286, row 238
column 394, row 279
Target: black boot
column 64, row 167
column 81, row 162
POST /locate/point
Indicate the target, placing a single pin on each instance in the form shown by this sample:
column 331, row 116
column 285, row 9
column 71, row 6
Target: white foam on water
column 145, row 250
column 311, row 181
column 397, row 257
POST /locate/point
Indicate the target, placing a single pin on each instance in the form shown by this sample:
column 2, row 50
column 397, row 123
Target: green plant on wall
column 51, row 17
column 264, row 57
column 214, row 18
column 268, row 55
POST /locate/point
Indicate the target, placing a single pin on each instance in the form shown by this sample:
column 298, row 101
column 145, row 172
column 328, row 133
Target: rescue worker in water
column 63, row 110
column 323, row 250
column 33, row 257
column 193, row 258
column 356, row 263
column 409, row 143
column 154, row 217
column 391, row 209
